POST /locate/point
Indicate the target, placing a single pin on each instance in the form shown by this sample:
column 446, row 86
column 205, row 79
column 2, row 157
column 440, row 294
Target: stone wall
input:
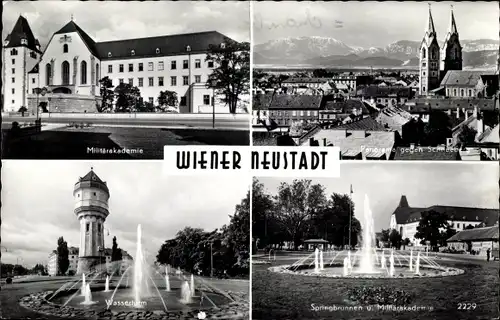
column 65, row 103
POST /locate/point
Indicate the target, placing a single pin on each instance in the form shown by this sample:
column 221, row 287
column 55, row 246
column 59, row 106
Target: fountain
column 346, row 267
column 192, row 286
column 106, row 289
column 167, row 283
column 88, row 296
column 366, row 264
column 186, row 294
column 316, row 260
column 391, row 267
column 83, row 284
column 382, row 261
column 417, row 264
column 321, row 265
column 411, row 260
column 138, row 277
column 349, row 259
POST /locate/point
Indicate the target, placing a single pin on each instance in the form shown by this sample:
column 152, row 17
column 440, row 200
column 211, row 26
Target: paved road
column 237, row 123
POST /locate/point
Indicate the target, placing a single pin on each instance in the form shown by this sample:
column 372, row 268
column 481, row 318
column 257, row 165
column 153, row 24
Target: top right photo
column 380, row 80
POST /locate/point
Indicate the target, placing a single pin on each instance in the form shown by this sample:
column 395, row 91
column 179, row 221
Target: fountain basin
column 335, row 270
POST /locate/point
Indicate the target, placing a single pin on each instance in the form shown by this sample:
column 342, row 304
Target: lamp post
column 213, row 84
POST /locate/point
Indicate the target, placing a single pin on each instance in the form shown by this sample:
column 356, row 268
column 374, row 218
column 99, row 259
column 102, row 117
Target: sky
column 424, row 184
column 371, row 24
column 38, row 204
column 110, row 20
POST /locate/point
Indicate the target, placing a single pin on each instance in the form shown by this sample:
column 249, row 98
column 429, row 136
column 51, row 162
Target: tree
column 429, row 227
column 385, row 235
column 62, row 256
column 116, row 253
column 232, row 71
column 107, row 95
column 167, row 99
column 467, row 136
column 438, row 128
column 395, row 239
column 264, row 227
column 128, row 98
column 445, row 235
column 406, row 242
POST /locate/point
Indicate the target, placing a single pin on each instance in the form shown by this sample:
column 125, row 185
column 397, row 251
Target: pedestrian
column 488, row 254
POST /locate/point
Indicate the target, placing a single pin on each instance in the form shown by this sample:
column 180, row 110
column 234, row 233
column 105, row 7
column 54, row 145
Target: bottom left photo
column 122, row 240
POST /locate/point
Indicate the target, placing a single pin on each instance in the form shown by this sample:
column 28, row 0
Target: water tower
column 91, row 208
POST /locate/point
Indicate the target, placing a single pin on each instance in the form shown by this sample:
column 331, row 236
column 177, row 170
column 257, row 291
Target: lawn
column 284, row 296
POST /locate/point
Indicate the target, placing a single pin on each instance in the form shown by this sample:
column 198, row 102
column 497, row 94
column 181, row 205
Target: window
column 141, row 82
column 197, row 63
column 33, row 80
column 424, row 64
column 33, row 55
column 157, row 50
column 130, row 67
column 462, row 92
column 13, row 71
column 454, row 92
column 151, row 81
column 173, row 81
column 185, row 64
column 470, row 93
column 13, row 90
column 13, row 52
column 99, row 228
column 434, row 54
column 13, row 80
column 423, row 53
column 151, row 100
column 110, row 68
column 206, row 99
column 185, row 80
column 423, row 89
column 173, row 65
column 120, row 81
column 109, row 54
column 87, row 227
column 65, row 48
column 423, row 73
column 48, row 73
column 65, row 72
column 131, row 81
column 121, row 68
column 150, row 66
column 160, row 66
column 13, row 61
column 188, row 48
column 12, row 101
column 141, row 66
column 132, row 52
column 183, row 101
column 197, row 79
column 160, row 81
column 83, row 72
column 223, row 45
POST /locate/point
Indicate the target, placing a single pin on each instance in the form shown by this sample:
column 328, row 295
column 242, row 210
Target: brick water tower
column 91, row 208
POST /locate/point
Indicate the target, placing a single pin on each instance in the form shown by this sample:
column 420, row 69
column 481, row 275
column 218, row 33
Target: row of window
column 99, row 227
column 161, row 66
column 302, row 113
column 463, row 92
column 433, row 65
column 14, row 52
column 161, row 81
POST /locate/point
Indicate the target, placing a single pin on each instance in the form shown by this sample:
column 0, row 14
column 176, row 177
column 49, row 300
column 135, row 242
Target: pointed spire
column 430, row 25
column 453, row 25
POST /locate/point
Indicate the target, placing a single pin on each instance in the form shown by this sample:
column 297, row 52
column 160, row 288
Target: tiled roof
column 91, row 176
column 306, row 80
column 22, row 30
column 490, row 136
column 461, row 78
column 426, row 153
column 296, row 102
column 34, row 69
column 488, row 233
column 73, row 27
column 453, row 103
column 378, row 91
column 346, row 106
column 368, row 124
column 394, row 116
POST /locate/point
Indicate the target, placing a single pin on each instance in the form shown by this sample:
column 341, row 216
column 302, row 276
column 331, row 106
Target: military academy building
column 72, row 64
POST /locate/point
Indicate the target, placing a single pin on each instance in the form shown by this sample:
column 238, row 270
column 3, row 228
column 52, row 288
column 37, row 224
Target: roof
column 375, row 91
column 199, row 42
column 306, row 80
column 34, row 69
column 488, row 233
column 261, row 101
column 73, row 27
column 296, row 102
column 91, row 176
column 490, row 136
column 315, row 241
column 394, row 116
column 409, row 214
column 451, row 103
column 20, row 31
column 346, row 106
column 461, row 78
column 91, row 179
column 367, row 123
column 426, row 153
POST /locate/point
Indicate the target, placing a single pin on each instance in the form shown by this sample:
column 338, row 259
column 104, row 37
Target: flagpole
column 350, row 196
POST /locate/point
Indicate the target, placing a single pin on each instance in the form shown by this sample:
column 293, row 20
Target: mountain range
column 324, row 52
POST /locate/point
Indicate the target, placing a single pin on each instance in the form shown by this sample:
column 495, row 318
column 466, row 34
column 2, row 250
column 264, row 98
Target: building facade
column 91, row 208
column 73, row 64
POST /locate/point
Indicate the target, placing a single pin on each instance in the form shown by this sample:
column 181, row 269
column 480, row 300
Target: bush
column 379, row 296
column 71, row 273
column 8, row 281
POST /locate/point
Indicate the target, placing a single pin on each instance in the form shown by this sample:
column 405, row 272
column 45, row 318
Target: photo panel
column 97, row 82
column 385, row 240
column 116, row 239
column 381, row 80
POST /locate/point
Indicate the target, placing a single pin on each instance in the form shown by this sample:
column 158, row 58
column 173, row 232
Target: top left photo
column 121, row 80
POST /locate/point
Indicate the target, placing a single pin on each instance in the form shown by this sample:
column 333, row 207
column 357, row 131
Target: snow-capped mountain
column 325, row 51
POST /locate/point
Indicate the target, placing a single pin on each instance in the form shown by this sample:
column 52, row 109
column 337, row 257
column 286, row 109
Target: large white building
column 73, row 63
column 405, row 219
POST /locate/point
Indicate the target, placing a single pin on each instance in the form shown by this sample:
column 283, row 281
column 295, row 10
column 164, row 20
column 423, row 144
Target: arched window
column 462, row 92
column 65, row 48
column 83, row 72
column 423, row 52
column 65, row 72
column 48, row 73
column 97, row 73
column 454, row 92
column 433, row 54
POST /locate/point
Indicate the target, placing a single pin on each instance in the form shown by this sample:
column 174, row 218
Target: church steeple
column 452, row 50
column 431, row 31
column 429, row 59
column 453, row 25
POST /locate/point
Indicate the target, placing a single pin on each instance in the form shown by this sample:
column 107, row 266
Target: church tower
column 21, row 52
column 429, row 59
column 452, row 50
column 91, row 208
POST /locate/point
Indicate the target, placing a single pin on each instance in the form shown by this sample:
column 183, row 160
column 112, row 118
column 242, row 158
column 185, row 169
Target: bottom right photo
column 398, row 240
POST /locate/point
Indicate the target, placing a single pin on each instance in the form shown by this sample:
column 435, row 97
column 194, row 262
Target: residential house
column 386, row 96
column 285, row 109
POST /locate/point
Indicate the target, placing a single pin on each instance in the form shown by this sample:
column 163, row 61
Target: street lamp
column 213, row 84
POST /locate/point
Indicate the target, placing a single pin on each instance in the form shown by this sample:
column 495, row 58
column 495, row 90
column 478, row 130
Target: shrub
column 379, row 295
column 8, row 281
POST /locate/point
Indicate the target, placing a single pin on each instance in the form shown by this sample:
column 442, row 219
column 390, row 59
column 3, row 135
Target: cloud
column 38, row 204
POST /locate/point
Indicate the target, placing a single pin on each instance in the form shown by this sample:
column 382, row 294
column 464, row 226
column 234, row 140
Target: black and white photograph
column 116, row 240
column 381, row 80
column 120, row 80
column 385, row 240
